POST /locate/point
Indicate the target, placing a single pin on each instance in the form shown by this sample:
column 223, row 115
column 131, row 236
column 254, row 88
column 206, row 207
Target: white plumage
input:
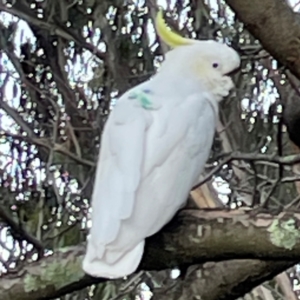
column 154, row 147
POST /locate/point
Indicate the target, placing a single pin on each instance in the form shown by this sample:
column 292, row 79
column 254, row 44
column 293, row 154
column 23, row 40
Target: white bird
column 154, row 147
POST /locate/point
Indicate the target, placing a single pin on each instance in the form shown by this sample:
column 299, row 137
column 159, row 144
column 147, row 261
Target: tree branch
column 42, row 142
column 23, row 12
column 17, row 229
column 275, row 25
column 193, row 237
column 220, row 281
column 287, row 160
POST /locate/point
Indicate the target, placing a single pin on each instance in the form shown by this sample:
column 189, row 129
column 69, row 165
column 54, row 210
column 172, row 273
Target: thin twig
column 281, row 160
column 23, row 12
column 57, row 147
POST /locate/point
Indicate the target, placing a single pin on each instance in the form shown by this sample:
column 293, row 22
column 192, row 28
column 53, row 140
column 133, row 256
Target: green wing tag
column 143, row 99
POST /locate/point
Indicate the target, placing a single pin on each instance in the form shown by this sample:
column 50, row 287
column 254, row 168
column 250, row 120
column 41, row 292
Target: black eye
column 215, row 65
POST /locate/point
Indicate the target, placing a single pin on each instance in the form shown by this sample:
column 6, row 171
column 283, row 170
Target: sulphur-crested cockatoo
column 154, row 146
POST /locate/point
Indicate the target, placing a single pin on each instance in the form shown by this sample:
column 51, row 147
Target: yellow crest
column 171, row 38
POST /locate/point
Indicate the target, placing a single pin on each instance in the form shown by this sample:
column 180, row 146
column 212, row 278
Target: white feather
column 153, row 149
column 148, row 162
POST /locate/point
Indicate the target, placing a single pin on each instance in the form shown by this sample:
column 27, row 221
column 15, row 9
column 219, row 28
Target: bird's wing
column 119, row 170
column 140, row 153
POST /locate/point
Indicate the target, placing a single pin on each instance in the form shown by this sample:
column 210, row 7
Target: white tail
column 123, row 263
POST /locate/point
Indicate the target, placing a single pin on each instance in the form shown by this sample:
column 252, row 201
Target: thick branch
column 275, row 25
column 191, row 238
column 225, row 280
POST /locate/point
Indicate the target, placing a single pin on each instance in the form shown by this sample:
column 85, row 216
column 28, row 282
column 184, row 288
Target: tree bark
column 193, row 237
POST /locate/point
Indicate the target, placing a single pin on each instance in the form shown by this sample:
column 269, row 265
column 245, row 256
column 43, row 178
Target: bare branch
column 56, row 147
column 280, row 160
column 4, row 215
column 21, row 11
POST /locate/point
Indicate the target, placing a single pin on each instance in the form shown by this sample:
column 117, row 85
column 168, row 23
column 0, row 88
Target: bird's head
column 209, row 61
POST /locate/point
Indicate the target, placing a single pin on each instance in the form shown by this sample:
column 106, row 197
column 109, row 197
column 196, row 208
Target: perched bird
column 154, row 147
